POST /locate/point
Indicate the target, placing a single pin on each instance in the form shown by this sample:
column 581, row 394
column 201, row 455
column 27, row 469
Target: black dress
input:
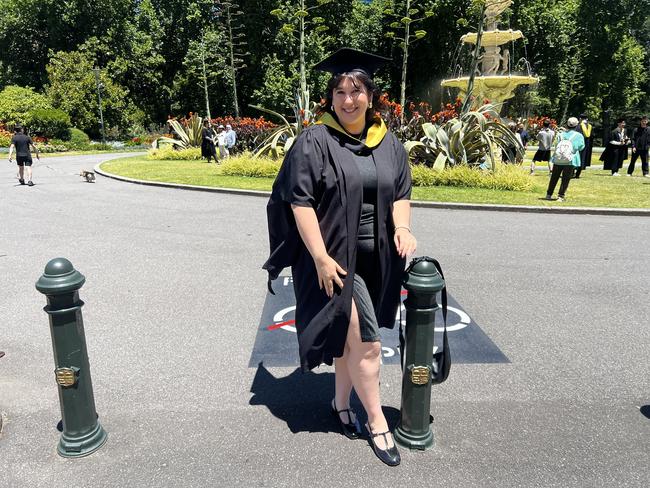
column 614, row 154
column 318, row 172
column 207, row 144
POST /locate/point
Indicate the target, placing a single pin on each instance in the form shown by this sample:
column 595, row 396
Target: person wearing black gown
column 640, row 146
column 339, row 215
column 616, row 149
column 208, row 135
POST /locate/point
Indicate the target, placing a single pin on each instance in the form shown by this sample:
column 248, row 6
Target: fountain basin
column 495, row 88
column 493, row 38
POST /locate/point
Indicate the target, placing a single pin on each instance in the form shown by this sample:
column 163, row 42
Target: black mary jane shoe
column 388, row 456
column 351, row 430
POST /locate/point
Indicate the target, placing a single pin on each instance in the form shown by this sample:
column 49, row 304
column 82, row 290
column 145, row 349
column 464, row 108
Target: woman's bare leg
column 363, row 360
column 343, row 386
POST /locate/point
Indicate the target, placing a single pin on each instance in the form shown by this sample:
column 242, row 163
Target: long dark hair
column 359, row 78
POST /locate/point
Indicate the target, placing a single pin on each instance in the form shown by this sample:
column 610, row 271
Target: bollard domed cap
column 59, row 277
column 422, row 276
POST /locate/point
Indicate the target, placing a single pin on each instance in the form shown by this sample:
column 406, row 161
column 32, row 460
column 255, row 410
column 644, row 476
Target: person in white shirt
column 221, row 142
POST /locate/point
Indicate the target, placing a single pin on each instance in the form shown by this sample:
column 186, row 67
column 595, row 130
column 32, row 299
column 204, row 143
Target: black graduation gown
column 318, row 172
column 585, row 154
column 207, row 144
column 614, row 155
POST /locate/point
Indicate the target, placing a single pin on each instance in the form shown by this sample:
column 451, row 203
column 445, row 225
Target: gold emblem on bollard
column 65, row 376
column 420, row 375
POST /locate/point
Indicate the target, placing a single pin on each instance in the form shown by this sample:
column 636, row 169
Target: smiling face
column 350, row 102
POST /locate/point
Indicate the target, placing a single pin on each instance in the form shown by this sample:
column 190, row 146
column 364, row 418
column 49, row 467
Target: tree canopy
column 590, row 55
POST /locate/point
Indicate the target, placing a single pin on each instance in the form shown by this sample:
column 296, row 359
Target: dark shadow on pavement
column 302, row 400
column 645, row 411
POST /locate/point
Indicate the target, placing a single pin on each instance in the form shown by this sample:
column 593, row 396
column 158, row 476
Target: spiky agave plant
column 278, row 142
column 189, row 134
column 471, row 139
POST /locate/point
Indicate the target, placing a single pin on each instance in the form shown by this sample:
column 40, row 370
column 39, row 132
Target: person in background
column 208, row 150
column 565, row 159
column 231, row 138
column 21, row 144
column 221, row 142
column 640, row 145
column 509, row 153
column 545, row 138
column 616, row 149
column 586, row 129
column 523, row 134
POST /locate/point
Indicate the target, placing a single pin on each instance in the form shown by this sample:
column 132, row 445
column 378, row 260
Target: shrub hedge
column 506, row 177
column 247, row 165
column 5, row 138
column 168, row 153
column 78, row 138
column 51, row 123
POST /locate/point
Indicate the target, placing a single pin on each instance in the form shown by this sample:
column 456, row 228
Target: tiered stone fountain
column 493, row 79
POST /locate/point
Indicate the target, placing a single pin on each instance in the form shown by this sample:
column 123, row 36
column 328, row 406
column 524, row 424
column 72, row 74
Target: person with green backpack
column 565, row 159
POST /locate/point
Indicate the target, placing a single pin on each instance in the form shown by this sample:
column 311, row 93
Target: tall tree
column 72, row 88
column 410, row 13
column 231, row 21
column 298, row 19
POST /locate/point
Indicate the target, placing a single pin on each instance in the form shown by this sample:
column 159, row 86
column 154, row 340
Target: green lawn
column 84, row 153
column 595, row 188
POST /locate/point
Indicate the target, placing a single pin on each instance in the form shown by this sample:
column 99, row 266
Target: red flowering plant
column 408, row 126
column 250, row 131
column 450, row 111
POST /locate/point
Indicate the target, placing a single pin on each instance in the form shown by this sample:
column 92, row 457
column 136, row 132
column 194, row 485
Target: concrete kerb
column 630, row 212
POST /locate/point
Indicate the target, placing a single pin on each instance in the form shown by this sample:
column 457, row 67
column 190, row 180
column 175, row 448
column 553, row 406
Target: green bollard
column 422, row 282
column 82, row 433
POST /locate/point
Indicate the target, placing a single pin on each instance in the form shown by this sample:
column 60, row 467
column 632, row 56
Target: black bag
column 441, row 362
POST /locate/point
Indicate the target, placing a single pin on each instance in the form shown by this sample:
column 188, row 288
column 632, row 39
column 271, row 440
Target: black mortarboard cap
column 347, row 59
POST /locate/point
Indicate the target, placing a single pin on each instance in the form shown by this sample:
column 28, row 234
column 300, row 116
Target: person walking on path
column 586, row 129
column 640, row 146
column 545, row 138
column 231, row 138
column 21, row 144
column 339, row 215
column 208, row 150
column 616, row 149
column 565, row 158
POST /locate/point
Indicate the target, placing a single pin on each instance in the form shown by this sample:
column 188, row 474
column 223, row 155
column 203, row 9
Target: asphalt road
column 174, row 294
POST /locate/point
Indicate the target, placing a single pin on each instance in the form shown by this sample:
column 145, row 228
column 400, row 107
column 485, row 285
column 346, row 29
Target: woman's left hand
column 405, row 242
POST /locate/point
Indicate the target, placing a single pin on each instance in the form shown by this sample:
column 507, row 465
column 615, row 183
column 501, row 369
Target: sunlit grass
column 595, row 188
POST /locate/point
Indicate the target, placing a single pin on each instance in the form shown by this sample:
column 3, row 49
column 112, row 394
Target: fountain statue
column 493, row 78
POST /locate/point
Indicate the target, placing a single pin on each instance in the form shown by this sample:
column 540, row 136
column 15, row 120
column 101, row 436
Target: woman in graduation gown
column 339, row 215
column 616, row 149
column 208, row 149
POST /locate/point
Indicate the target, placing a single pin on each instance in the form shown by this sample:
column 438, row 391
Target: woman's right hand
column 329, row 273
